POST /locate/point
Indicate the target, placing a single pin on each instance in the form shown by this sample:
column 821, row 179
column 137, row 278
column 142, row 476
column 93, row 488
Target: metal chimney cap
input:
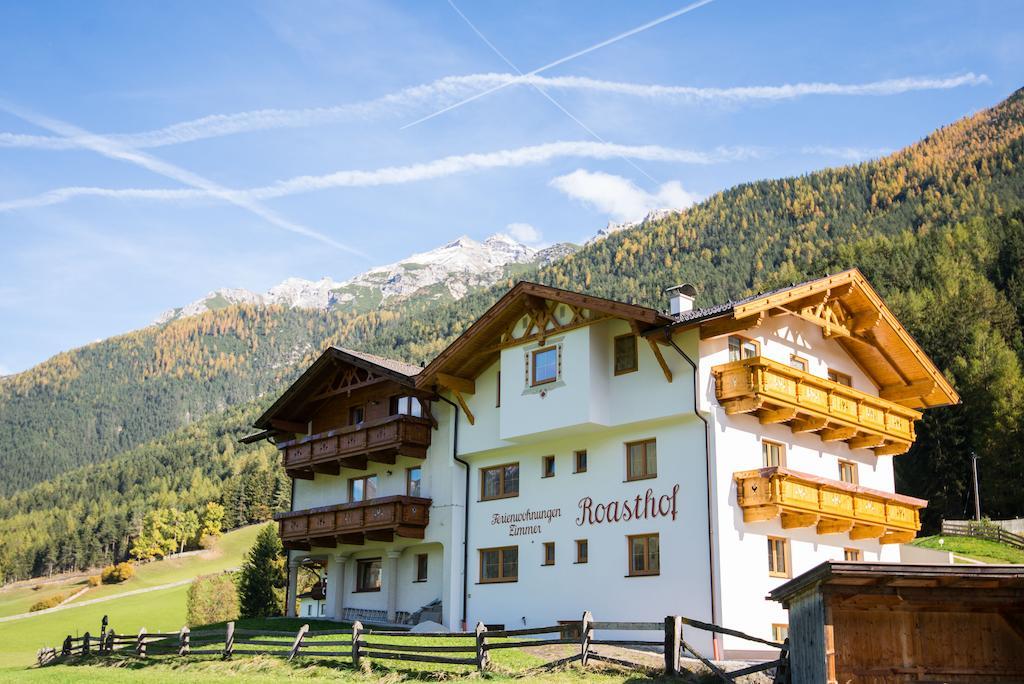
column 684, row 289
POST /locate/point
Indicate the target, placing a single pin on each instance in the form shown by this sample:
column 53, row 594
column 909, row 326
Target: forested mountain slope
column 931, row 226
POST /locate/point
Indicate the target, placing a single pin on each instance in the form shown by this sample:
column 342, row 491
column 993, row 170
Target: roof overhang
column 286, row 410
column 475, row 349
column 850, row 311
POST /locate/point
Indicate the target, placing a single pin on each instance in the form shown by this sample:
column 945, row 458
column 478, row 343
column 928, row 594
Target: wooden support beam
column 354, row 539
column 866, row 532
column 382, row 457
column 866, row 442
column 303, row 474
column 794, row 520
column 354, row 462
column 289, row 425
column 760, row 513
column 837, row 434
column 409, row 532
column 380, row 535
column 330, row 468
column 744, row 405
column 726, row 326
column 808, row 424
column 465, row 407
column 783, row 415
column 892, row 449
column 865, row 321
column 897, row 537
column 834, row 526
column 456, row 384
column 660, row 358
column 915, row 390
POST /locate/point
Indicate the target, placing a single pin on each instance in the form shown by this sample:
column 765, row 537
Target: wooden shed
column 882, row 623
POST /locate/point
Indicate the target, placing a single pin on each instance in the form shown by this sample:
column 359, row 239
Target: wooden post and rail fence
column 983, row 530
column 471, row 649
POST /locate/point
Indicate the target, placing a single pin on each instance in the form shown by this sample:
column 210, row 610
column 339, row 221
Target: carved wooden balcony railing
column 780, row 394
column 351, row 447
column 380, row 519
column 834, row 507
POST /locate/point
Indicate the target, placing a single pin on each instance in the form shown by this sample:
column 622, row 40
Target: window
column 644, row 558
column 421, row 567
column 362, row 488
column 355, row 415
column 499, row 565
column 798, row 362
column 582, row 551
column 413, row 481
column 778, row 557
column 499, row 482
column 549, row 467
column 579, row 461
column 322, row 607
column 405, row 406
column 851, row 554
column 780, row 633
column 549, row 553
column 497, row 393
column 625, row 354
column 773, row 454
column 742, row 348
column 848, row 472
column 841, row 378
column 368, row 574
column 641, row 460
column 544, row 365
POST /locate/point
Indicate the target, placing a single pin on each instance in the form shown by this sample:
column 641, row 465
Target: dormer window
column 544, row 366
column 741, row 348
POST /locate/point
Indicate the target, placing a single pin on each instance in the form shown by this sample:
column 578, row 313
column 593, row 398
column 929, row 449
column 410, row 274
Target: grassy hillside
column 160, row 610
column 932, row 226
column 978, row 549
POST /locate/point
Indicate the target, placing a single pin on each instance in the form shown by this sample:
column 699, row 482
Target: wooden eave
column 292, row 405
column 850, row 311
column 479, row 346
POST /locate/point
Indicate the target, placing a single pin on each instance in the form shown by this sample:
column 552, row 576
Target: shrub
column 94, row 580
column 207, row 541
column 115, row 574
column 49, row 602
column 212, row 598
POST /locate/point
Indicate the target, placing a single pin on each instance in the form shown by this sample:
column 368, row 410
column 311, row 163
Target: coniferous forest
column 94, row 439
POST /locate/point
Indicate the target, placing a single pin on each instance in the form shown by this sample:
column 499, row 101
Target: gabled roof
column 850, row 311
column 298, row 394
column 478, row 346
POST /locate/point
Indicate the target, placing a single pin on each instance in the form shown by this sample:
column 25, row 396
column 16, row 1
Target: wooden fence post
column 482, row 657
column 184, row 641
column 109, row 648
column 357, row 634
column 85, row 644
column 140, row 643
column 229, row 641
column 673, row 640
column 298, row 641
column 586, row 627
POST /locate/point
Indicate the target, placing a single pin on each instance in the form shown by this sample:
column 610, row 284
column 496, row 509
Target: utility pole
column 974, row 477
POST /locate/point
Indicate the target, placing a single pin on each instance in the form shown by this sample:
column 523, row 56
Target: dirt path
column 69, row 606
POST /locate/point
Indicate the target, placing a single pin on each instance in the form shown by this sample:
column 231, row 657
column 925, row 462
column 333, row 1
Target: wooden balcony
column 834, row 507
column 380, row 519
column 351, row 447
column 780, row 394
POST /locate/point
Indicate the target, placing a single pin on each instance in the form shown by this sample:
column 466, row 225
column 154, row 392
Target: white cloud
column 525, row 233
column 397, row 175
column 619, row 197
column 451, row 89
column 848, row 153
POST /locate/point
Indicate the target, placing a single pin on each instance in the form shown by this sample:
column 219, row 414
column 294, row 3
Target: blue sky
column 152, row 152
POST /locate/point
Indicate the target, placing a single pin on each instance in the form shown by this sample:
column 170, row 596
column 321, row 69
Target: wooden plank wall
column 887, row 647
column 807, row 630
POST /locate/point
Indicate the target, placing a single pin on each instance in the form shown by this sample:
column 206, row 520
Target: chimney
column 681, row 298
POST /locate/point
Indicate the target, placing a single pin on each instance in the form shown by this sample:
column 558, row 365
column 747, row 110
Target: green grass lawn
column 979, row 549
column 507, row 664
column 228, row 553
